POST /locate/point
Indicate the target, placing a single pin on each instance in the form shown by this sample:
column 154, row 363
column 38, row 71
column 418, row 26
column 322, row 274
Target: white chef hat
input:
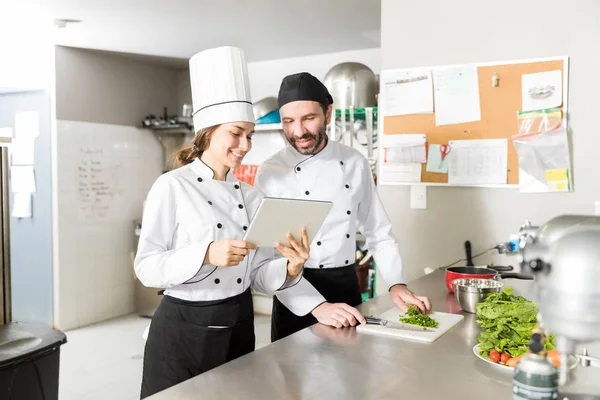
column 220, row 87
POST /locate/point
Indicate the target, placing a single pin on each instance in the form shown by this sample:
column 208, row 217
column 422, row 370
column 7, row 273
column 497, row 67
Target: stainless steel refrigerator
column 5, row 315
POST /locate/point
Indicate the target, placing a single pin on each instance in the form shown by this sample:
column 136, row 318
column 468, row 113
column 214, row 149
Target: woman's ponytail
column 200, row 143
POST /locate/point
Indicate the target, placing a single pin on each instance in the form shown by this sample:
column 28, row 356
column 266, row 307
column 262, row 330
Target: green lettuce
column 507, row 323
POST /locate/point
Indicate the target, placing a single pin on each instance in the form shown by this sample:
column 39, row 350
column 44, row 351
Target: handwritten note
column 97, row 178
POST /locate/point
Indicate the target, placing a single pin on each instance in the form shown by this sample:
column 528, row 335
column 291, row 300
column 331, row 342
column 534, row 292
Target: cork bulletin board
column 499, row 106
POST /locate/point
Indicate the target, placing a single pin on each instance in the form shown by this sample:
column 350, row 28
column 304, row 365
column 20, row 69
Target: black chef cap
column 303, row 86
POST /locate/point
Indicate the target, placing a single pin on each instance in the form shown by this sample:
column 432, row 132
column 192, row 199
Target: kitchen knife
column 395, row 325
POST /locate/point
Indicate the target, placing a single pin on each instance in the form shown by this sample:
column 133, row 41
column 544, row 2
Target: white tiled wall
column 95, row 279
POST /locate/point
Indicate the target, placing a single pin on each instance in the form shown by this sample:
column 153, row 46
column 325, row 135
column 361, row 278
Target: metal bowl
column 470, row 291
column 264, row 106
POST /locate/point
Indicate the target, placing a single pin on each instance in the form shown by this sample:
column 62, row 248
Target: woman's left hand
column 297, row 253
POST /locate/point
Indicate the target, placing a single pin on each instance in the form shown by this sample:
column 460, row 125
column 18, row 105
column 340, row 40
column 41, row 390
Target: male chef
column 313, row 167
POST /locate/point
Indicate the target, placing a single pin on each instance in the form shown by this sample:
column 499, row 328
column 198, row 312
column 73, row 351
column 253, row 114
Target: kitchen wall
column 265, row 76
column 105, row 166
column 464, row 31
column 101, row 87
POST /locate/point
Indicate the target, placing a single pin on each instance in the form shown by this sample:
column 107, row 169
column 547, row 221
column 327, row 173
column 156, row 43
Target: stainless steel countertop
column 327, row 363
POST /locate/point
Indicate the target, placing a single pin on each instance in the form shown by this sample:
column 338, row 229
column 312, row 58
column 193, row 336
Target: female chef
column 190, row 241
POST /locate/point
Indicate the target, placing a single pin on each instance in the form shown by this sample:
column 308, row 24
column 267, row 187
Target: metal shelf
column 268, row 127
column 170, row 129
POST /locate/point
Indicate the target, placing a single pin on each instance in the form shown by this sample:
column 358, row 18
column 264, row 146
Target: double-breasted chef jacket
column 340, row 174
column 186, row 210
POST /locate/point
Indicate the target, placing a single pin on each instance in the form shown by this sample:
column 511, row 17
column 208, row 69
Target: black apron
column 183, row 340
column 337, row 285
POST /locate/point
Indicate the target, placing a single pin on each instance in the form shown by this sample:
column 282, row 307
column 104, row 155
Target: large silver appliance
column 354, row 88
column 564, row 256
column 5, row 310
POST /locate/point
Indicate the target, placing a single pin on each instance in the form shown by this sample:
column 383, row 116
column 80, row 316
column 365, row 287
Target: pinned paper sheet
column 22, row 151
column 456, row 94
column 404, row 148
column 541, row 90
column 27, row 124
column 437, row 159
column 478, row 162
column 407, row 92
column 22, row 205
column 22, row 179
column 400, row 172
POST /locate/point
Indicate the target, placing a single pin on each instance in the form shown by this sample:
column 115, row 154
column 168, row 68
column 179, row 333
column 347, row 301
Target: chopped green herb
column 414, row 317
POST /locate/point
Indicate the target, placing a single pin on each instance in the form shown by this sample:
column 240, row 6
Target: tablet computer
column 276, row 217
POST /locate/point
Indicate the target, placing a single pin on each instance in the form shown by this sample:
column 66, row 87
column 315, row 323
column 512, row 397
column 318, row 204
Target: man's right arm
column 303, row 298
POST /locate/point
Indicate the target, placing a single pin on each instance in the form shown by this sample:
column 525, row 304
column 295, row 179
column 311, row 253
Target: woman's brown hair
column 200, row 143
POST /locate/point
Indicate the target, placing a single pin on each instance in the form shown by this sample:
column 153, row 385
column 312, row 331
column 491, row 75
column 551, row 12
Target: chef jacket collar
column 322, row 155
column 204, row 171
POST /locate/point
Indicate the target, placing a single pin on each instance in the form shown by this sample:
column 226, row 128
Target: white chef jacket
column 186, row 210
column 340, row 174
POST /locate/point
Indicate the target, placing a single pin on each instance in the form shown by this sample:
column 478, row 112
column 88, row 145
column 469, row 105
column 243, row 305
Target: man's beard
column 319, row 138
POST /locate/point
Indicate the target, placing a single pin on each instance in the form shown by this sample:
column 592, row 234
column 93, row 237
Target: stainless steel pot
column 352, row 85
column 264, row 106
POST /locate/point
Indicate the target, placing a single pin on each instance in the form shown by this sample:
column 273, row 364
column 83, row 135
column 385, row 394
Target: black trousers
column 189, row 338
column 337, row 285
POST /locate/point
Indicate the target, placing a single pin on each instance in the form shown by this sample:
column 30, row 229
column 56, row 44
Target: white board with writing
column 98, row 183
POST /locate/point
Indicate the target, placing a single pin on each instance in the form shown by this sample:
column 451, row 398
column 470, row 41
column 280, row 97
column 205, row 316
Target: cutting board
column 446, row 322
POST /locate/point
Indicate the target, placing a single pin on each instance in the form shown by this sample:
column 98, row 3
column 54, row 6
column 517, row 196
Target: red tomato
column 494, row 356
column 504, row 358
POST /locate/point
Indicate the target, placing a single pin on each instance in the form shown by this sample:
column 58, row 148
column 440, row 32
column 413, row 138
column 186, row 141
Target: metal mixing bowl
column 470, row 291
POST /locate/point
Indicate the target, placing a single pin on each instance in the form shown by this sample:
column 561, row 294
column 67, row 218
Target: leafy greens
column 507, row 323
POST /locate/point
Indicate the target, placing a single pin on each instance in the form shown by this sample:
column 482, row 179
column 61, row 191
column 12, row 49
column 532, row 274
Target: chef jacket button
column 217, row 281
column 237, row 186
column 347, row 236
column 347, row 261
column 199, row 179
column 307, row 193
column 210, row 203
column 219, row 225
column 341, row 163
column 240, row 206
column 348, row 212
column 321, row 266
column 298, row 169
column 318, row 243
column 347, row 186
column 245, row 227
column 239, row 280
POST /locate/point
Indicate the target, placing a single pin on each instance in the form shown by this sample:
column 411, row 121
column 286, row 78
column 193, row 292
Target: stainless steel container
column 352, row 85
column 470, row 291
